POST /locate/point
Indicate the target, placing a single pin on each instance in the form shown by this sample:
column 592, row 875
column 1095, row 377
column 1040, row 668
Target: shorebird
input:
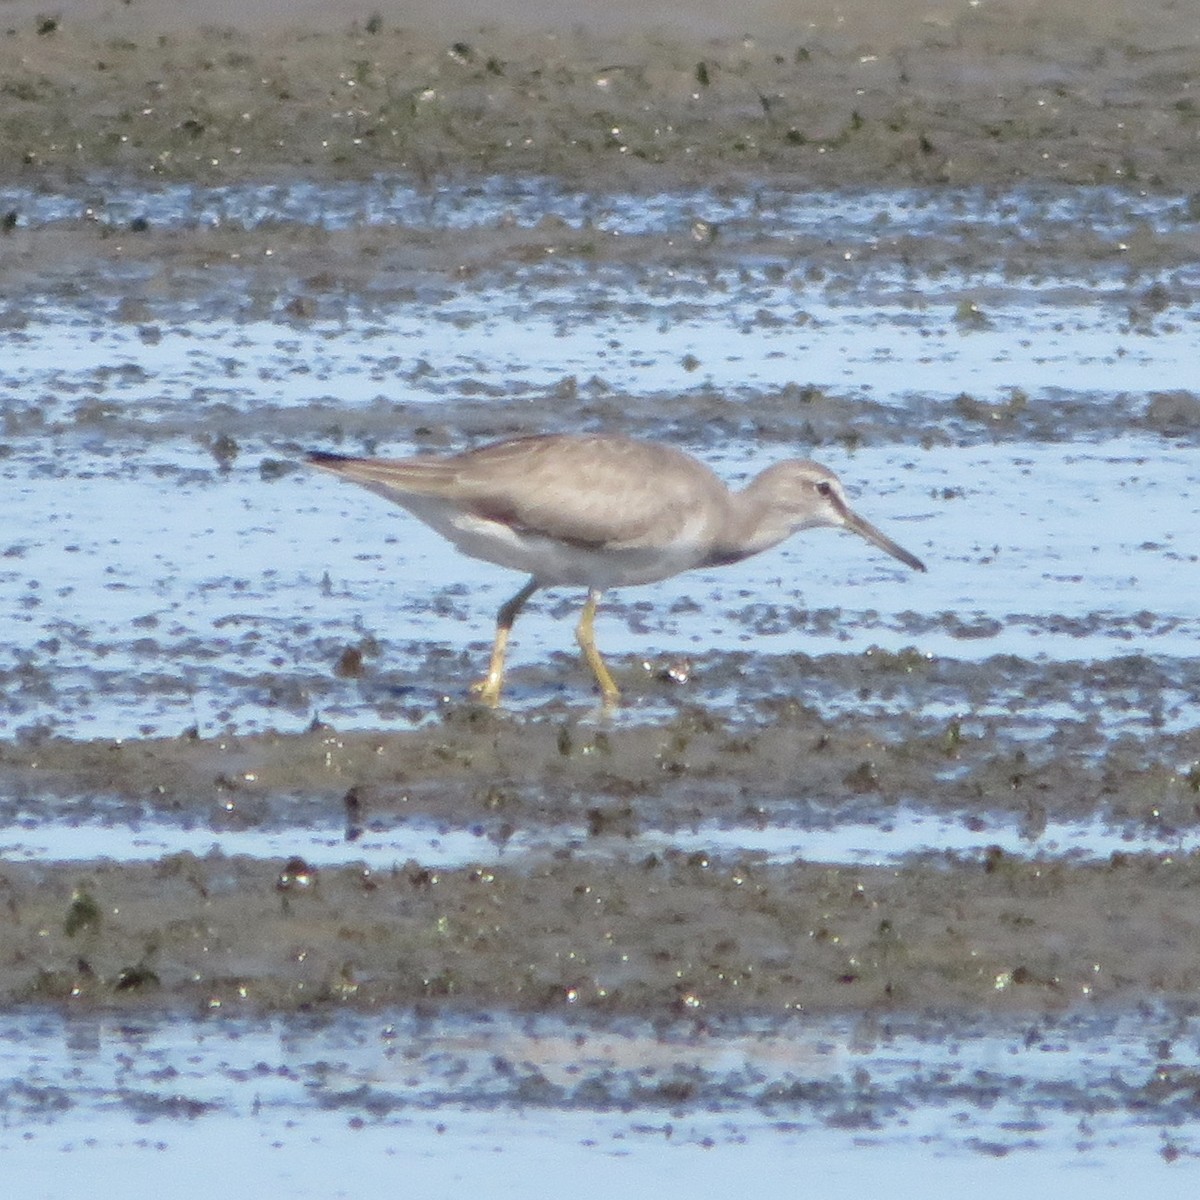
column 596, row 512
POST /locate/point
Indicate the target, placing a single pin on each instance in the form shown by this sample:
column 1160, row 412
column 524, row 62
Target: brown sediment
column 636, row 931
column 547, row 766
column 676, row 933
column 984, row 96
column 820, row 95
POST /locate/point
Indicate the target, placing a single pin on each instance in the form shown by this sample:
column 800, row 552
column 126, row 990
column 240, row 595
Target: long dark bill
column 876, row 537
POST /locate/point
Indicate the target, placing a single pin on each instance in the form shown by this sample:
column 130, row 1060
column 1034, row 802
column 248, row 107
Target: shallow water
column 481, row 1102
column 1002, row 380
column 888, row 839
column 863, row 216
column 197, row 595
column 1011, row 442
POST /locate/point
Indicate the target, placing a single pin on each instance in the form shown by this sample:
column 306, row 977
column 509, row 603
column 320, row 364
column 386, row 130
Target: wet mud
column 641, row 930
column 945, row 93
column 223, row 247
column 866, row 861
column 668, row 933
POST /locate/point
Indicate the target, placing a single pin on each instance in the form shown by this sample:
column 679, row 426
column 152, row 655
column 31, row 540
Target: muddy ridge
column 641, row 933
column 951, row 252
column 982, row 94
column 553, row 764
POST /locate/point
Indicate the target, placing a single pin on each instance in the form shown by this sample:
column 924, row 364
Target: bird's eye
column 824, row 488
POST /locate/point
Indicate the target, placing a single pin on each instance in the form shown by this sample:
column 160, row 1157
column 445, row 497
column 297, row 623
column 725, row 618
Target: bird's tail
column 424, row 476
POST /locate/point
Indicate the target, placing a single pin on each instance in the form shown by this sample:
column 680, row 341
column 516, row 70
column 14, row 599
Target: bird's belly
column 558, row 563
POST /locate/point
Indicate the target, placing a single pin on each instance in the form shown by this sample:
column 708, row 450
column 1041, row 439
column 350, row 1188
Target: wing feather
column 594, row 491
column 599, row 492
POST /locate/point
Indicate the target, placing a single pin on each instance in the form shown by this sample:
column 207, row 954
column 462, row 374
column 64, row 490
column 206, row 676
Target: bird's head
column 806, row 495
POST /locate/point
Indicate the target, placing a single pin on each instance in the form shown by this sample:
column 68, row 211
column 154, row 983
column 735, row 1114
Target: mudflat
column 947, row 99
column 958, row 92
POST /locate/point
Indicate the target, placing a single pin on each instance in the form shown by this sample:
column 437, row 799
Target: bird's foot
column 487, row 690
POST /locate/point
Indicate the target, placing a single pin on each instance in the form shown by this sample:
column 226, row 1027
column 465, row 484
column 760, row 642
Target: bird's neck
column 752, row 524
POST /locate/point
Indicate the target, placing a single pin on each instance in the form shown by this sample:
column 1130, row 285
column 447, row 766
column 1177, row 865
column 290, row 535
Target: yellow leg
column 585, row 635
column 488, row 689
